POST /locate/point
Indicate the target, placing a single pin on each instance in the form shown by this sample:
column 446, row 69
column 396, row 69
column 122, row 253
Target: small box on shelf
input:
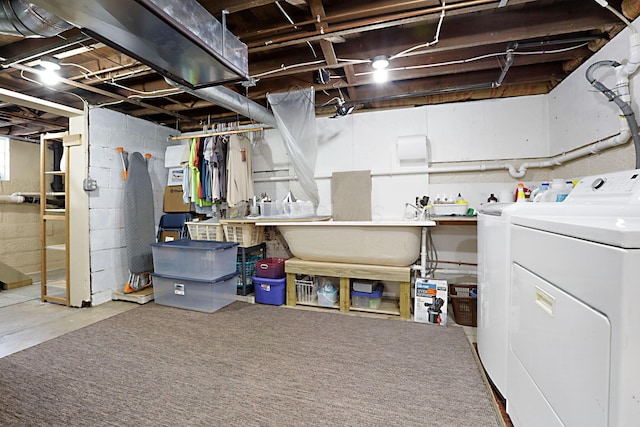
column 371, row 300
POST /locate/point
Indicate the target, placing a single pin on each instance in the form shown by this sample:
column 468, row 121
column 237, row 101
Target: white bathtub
column 392, row 243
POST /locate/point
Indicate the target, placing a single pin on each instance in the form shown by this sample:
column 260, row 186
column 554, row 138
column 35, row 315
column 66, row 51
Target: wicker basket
column 206, row 230
column 464, row 305
column 244, row 234
column 306, row 290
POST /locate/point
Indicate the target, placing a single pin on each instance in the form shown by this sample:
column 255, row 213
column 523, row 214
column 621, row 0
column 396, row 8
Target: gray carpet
column 249, row 365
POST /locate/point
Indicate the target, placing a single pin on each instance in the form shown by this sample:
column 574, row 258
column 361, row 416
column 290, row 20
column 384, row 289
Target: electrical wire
column 435, row 40
column 288, row 18
column 475, row 58
column 287, row 67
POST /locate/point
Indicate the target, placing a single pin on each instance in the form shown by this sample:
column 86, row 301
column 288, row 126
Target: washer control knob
column 598, row 183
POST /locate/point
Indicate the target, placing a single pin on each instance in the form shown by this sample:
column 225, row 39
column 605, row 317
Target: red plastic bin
column 271, row 268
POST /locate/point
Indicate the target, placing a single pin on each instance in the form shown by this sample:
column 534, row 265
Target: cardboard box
column 173, row 202
column 431, row 301
column 169, row 236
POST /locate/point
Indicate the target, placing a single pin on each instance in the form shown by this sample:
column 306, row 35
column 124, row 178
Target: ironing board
column 139, row 222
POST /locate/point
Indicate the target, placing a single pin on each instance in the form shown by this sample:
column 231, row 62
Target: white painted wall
column 580, row 114
column 108, row 130
column 476, row 131
column 513, row 130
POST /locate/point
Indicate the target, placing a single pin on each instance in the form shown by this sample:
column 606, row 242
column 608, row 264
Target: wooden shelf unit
column 55, row 215
column 345, row 272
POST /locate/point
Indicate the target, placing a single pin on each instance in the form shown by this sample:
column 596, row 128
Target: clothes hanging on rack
column 220, row 165
column 219, row 169
column 239, row 170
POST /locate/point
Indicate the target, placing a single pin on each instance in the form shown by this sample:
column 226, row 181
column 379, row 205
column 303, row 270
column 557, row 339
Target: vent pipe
column 24, row 19
column 233, row 101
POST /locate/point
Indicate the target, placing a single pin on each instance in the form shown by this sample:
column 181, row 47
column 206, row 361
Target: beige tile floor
column 26, row 321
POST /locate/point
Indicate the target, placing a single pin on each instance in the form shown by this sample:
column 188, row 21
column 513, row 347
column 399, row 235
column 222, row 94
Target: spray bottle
column 520, row 197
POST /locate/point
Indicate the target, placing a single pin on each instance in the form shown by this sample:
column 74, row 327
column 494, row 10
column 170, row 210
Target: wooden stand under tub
column 346, row 272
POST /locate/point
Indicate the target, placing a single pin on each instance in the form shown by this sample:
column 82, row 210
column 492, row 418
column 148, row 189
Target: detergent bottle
column 538, row 193
column 556, row 193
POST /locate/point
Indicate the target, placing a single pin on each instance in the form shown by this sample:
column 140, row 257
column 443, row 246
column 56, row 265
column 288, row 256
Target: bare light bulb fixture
column 380, row 64
column 49, row 75
column 49, row 63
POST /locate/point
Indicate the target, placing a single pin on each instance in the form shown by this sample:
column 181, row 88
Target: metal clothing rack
column 205, row 134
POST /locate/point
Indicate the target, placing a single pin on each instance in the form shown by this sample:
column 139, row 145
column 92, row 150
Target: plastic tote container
column 370, row 300
column 195, row 259
column 272, row 268
column 269, row 291
column 190, row 294
column 327, row 296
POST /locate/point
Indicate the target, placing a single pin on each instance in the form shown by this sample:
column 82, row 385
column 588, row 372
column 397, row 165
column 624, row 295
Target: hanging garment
column 220, row 166
column 239, row 170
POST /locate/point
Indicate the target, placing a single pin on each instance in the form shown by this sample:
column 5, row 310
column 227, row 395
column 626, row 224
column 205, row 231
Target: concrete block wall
column 107, row 131
column 20, row 223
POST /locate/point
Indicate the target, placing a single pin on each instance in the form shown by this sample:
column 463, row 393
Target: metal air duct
column 24, row 19
column 233, row 101
column 179, row 39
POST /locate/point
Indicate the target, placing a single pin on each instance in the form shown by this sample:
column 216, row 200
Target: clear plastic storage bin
column 370, row 300
column 198, row 295
column 195, row 259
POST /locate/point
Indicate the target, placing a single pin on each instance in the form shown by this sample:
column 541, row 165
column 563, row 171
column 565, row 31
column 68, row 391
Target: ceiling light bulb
column 49, row 63
column 379, row 62
column 380, row 76
column 49, row 77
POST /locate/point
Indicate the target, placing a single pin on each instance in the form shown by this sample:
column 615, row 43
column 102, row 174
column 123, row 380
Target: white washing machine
column 494, row 278
column 574, row 344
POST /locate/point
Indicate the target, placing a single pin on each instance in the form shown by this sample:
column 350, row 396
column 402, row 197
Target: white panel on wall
column 335, row 145
column 390, row 193
column 578, row 113
column 375, row 135
column 491, row 129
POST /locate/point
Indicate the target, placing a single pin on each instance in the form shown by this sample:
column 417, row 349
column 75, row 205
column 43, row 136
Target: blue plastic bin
column 370, row 300
column 269, row 291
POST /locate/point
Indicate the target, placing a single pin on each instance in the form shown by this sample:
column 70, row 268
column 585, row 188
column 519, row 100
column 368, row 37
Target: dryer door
column 560, row 356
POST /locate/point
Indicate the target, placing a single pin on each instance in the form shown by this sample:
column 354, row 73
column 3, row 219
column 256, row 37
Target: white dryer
column 574, row 345
column 494, row 280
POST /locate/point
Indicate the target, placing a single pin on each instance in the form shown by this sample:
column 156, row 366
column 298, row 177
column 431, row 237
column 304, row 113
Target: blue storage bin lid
column 209, row 282
column 265, row 281
column 377, row 292
column 207, row 245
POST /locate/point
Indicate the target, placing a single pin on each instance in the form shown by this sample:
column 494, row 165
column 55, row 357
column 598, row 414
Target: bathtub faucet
column 416, row 213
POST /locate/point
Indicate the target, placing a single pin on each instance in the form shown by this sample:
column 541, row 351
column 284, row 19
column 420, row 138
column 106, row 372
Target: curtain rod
column 227, row 132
